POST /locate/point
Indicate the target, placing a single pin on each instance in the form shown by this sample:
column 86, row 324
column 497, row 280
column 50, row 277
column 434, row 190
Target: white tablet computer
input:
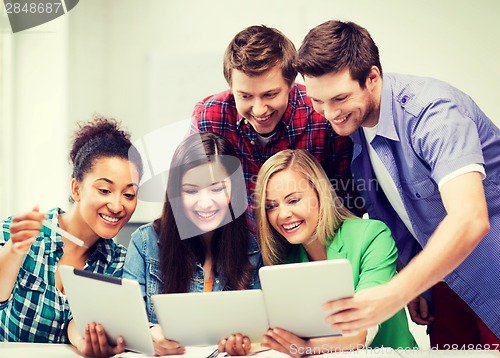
column 294, row 294
column 203, row 318
column 115, row 303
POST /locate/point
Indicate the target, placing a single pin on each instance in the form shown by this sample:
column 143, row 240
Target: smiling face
column 206, row 191
column 107, row 196
column 342, row 101
column 262, row 100
column 292, row 206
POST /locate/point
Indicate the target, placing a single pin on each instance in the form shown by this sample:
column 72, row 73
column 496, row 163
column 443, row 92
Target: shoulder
column 220, row 100
column 365, row 231
column 144, row 233
column 145, row 239
column 416, row 94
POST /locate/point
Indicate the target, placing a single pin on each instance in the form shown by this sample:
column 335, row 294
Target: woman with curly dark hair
column 106, row 172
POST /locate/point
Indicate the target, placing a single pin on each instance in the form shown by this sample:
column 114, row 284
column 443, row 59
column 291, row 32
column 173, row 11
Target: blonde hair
column 274, row 247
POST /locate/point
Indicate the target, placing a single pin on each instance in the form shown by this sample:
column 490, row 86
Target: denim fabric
column 143, row 265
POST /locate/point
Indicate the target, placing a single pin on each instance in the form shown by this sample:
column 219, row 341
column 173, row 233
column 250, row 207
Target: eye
column 270, row 95
column 293, row 201
column 270, row 206
column 190, row 191
column 104, row 191
column 218, row 189
column 339, row 99
column 245, row 96
column 129, row 196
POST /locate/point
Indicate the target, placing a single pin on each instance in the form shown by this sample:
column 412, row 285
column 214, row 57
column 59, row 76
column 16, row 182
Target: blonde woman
column 301, row 219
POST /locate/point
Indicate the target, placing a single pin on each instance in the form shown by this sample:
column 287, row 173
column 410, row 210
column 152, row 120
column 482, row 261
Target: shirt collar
column 386, row 125
column 104, row 249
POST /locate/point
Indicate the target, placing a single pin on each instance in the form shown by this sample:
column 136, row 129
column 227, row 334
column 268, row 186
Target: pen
column 64, row 233
column 214, row 353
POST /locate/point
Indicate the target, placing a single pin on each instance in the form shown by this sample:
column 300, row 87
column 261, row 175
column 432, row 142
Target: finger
column 280, row 339
column 339, row 305
column 424, row 309
column 352, row 326
column 238, row 344
column 343, row 317
column 247, row 345
column 94, row 340
column 120, row 346
column 33, row 215
column 221, row 346
column 271, row 343
column 104, row 346
column 23, row 247
column 86, row 349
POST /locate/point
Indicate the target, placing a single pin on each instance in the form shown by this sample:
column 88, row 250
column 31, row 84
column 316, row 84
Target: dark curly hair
column 98, row 138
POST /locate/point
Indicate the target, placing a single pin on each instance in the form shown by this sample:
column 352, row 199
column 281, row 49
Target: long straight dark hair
column 179, row 256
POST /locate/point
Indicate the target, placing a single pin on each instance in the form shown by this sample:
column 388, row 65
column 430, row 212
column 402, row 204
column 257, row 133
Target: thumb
column 423, row 308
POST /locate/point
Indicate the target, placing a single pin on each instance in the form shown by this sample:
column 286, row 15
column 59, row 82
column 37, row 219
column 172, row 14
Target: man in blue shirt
column 427, row 161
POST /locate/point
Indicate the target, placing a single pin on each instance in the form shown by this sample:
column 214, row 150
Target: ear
column 75, row 190
column 373, row 77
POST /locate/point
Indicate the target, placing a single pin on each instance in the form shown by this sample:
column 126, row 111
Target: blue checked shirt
column 37, row 311
column 427, row 130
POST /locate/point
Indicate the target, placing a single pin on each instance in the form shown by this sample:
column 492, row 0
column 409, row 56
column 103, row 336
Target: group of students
column 432, row 151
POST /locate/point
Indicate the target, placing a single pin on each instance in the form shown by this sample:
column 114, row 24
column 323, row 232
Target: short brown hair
column 334, row 46
column 257, row 49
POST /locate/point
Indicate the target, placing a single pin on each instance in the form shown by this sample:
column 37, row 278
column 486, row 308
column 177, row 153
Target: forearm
column 10, row 263
column 453, row 240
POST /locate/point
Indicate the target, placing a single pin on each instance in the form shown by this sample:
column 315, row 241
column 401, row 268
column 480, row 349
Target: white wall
column 146, row 62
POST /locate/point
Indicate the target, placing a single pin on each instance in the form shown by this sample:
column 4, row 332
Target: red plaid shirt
column 300, row 128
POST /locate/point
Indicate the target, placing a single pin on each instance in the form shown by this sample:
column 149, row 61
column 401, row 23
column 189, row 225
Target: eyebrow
column 292, row 193
column 271, row 90
column 109, row 181
column 197, row 186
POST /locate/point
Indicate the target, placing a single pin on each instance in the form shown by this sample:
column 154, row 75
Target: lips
column 206, row 215
column 292, row 227
column 110, row 219
column 340, row 120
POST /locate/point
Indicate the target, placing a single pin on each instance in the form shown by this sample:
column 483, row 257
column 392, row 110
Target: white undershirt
column 389, row 187
column 385, row 180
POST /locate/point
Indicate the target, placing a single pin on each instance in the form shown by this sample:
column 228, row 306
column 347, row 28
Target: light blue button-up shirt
column 428, row 129
column 142, row 264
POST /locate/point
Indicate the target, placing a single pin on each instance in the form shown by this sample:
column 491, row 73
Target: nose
column 284, row 212
column 204, row 200
column 115, row 204
column 259, row 108
column 331, row 112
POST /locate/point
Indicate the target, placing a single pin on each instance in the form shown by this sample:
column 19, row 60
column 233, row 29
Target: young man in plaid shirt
column 265, row 112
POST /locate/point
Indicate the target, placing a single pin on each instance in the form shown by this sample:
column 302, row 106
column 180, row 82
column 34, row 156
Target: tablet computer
column 115, row 303
column 203, row 318
column 294, row 294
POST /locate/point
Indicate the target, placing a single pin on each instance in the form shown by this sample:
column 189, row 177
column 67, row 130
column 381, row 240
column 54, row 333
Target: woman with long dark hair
column 200, row 243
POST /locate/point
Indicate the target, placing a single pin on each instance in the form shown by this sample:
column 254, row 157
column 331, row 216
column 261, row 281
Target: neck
column 73, row 223
column 315, row 251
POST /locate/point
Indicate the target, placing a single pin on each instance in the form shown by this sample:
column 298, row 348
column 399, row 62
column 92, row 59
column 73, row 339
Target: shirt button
column 418, row 195
column 404, row 99
column 252, row 142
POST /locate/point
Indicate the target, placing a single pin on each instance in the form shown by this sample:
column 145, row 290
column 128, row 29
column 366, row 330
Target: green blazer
column 369, row 246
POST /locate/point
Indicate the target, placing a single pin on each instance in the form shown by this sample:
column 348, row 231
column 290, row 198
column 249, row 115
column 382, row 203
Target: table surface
column 25, row 350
